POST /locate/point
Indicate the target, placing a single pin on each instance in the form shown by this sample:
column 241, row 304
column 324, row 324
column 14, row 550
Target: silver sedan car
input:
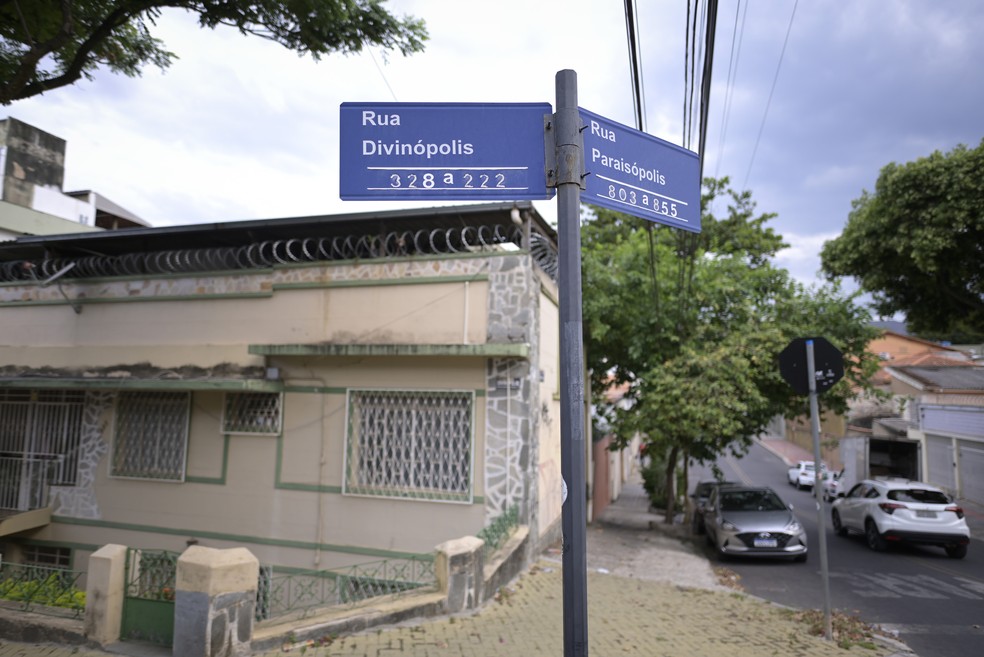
column 752, row 521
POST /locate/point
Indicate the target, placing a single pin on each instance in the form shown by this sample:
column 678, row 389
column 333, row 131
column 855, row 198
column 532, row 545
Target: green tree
column 694, row 325
column 47, row 44
column 917, row 244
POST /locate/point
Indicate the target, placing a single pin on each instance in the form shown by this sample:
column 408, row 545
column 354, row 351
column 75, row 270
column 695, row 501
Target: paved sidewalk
column 651, row 591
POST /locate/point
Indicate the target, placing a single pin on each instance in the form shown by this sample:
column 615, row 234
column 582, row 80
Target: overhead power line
column 635, row 64
column 768, row 103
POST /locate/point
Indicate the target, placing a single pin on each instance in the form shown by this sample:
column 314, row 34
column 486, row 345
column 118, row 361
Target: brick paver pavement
column 625, row 617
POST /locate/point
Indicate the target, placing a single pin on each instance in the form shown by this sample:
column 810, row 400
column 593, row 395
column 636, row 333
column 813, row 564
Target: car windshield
column 919, row 496
column 751, row 500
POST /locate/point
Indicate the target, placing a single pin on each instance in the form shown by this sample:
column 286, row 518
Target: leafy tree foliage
column 917, row 244
column 46, row 44
column 694, row 325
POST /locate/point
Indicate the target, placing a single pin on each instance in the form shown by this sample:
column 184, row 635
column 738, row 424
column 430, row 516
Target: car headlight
column 729, row 526
column 793, row 527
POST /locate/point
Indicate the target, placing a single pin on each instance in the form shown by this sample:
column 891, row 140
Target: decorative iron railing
column 285, row 592
column 499, row 530
column 42, row 589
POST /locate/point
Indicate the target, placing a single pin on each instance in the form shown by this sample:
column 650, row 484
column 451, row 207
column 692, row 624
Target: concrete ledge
column 507, row 562
column 27, row 627
column 385, row 610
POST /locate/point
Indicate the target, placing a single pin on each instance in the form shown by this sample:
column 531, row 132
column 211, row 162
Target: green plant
column 50, row 591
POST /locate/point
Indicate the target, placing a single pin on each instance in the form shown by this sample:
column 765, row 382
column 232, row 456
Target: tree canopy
column 692, row 326
column 47, row 44
column 917, row 244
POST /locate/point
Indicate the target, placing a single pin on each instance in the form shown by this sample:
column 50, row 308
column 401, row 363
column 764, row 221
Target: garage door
column 971, row 470
column 939, row 454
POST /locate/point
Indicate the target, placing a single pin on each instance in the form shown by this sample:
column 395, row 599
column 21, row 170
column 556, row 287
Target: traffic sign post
column 811, row 366
column 432, row 151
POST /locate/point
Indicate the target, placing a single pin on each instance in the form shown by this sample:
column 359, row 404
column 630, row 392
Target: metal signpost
column 430, row 151
column 798, row 366
column 632, row 172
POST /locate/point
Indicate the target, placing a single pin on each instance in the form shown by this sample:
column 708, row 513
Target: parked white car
column 898, row 510
column 803, row 474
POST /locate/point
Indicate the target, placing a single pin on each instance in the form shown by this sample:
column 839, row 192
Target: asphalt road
column 936, row 604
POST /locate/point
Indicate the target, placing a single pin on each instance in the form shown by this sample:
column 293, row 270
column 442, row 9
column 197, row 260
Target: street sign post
column 633, row 172
column 811, row 366
column 432, row 151
column 429, row 151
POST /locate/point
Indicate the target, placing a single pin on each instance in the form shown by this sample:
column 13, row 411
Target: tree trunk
column 671, row 459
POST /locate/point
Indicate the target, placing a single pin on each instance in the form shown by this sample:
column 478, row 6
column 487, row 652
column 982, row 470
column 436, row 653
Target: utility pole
column 568, row 176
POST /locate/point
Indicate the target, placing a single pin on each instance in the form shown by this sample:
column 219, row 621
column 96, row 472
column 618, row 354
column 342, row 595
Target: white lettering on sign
column 371, row 118
column 420, row 148
column 643, row 173
column 599, row 130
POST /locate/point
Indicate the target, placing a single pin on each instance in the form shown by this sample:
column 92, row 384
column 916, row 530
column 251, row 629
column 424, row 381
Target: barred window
column 45, row 555
column 411, row 444
column 41, row 431
column 151, row 435
column 252, row 413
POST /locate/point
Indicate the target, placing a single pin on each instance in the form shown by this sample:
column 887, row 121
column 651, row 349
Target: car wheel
column 875, row 540
column 722, row 555
column 956, row 551
column 698, row 525
column 839, row 527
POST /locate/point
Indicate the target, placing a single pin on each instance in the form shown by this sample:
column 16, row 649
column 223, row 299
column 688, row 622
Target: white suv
column 898, row 510
column 803, row 474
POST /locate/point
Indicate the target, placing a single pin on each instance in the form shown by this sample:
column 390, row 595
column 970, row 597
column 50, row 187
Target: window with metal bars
column 151, row 435
column 410, row 444
column 45, row 555
column 252, row 413
column 40, row 430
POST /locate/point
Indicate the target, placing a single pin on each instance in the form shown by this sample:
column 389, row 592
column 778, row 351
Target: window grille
column 252, row 413
column 44, row 555
column 43, row 427
column 410, row 444
column 151, row 435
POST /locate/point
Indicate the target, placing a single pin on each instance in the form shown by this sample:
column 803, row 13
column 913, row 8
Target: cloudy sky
column 240, row 128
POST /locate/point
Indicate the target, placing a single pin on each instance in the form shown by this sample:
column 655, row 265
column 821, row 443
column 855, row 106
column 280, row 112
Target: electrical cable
column 771, row 91
column 705, row 89
column 635, row 55
column 730, row 84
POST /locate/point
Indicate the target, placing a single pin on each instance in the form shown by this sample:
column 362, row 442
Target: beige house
column 323, row 391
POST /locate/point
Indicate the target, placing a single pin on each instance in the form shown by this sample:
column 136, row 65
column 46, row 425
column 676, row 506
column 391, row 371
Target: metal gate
column 148, row 604
column 939, row 456
column 971, row 470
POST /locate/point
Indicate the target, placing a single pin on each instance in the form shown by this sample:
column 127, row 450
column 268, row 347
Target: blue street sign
column 638, row 174
column 437, row 151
